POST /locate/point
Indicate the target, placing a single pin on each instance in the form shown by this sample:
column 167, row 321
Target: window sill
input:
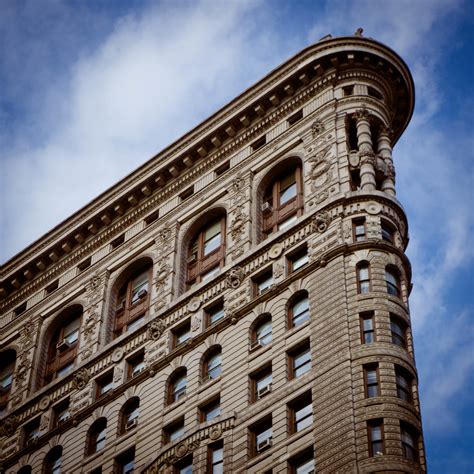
column 176, row 404
column 209, row 383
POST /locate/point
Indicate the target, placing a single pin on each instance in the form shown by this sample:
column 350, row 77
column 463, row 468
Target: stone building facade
column 239, row 303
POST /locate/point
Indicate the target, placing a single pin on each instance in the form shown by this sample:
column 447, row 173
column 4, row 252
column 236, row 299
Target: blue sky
column 91, row 89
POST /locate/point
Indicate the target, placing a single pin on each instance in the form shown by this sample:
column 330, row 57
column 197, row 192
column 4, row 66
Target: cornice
column 312, row 56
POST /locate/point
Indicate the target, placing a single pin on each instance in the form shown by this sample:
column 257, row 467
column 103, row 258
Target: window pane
column 216, row 315
column 212, row 238
column 288, row 222
column 65, row 370
column 211, row 273
column 214, row 366
column 139, row 286
column 306, row 468
column 302, row 363
column 300, row 311
column 264, row 435
column 264, row 333
column 264, row 284
column 300, row 261
column 287, row 188
column 264, row 381
column 212, row 412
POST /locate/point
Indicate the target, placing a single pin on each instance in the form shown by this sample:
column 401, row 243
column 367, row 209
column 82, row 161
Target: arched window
column 63, row 345
column 177, row 385
column 392, row 278
column 130, row 414
column 96, row 436
column 261, row 332
column 206, row 252
column 298, row 312
column 7, row 368
column 52, row 461
column 282, row 200
column 132, row 300
column 363, row 278
column 212, row 364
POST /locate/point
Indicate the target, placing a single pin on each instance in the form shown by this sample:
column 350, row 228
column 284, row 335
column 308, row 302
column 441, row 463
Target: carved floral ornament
column 317, row 127
column 9, row 426
column 155, row 329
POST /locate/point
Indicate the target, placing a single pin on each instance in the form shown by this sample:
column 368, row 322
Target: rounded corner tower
column 237, row 304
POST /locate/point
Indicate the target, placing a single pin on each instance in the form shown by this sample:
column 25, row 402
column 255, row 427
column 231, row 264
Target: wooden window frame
column 302, row 401
column 256, row 378
column 295, row 256
column 393, row 289
column 172, row 395
column 396, row 320
column 291, row 316
column 356, row 223
column 300, row 459
column 59, row 359
column 205, row 408
column 367, row 316
column 388, row 231
column 97, row 428
column 211, row 448
column 263, row 276
column 360, row 267
column 406, row 429
column 49, row 460
column 172, row 428
column 367, row 386
column 257, row 429
column 279, row 213
column 30, row 432
column 182, row 329
column 215, row 308
column 401, row 372
column 198, row 265
column 371, row 424
column 103, row 381
column 126, row 311
column 255, row 340
column 127, row 457
column 134, row 361
column 212, row 352
column 63, row 406
column 293, row 354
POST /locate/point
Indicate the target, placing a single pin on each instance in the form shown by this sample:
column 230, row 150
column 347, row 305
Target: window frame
column 123, row 460
column 300, row 459
column 402, row 339
column 127, row 421
column 263, row 277
column 369, row 385
column 135, row 365
column 183, row 329
column 367, row 316
column 103, row 381
column 388, row 231
column 174, row 394
column 256, row 338
column 211, row 449
column 293, row 354
column 127, row 312
column 362, row 281
column 257, row 429
column 260, row 386
column 356, row 224
column 410, row 452
column 297, row 299
column 299, row 254
column 54, row 455
column 404, row 388
column 207, row 407
column 295, row 406
column 394, row 288
column 215, row 309
column 199, row 264
column 280, row 213
column 371, row 425
column 208, row 356
column 98, row 428
column 176, row 426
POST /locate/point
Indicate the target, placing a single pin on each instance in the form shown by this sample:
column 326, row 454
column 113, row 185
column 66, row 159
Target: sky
column 89, row 90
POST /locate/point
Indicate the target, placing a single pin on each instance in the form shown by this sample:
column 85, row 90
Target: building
column 239, row 303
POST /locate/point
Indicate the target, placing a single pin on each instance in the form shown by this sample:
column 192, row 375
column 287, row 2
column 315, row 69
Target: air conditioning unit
column 261, row 392
column 255, row 345
column 136, row 372
column 63, row 345
column 180, row 393
column 267, row 208
column 265, row 444
column 131, row 424
column 64, row 419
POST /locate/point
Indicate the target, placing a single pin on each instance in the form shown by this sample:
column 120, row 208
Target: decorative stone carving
column 44, row 426
column 9, row 426
column 321, row 222
column 117, row 355
column 118, row 374
column 215, row 432
column 373, row 208
column 347, row 231
column 194, row 304
column 27, row 333
column 181, row 449
column 275, row 251
column 278, row 270
column 44, row 402
column 317, row 127
column 162, row 275
column 368, row 158
column 195, row 323
column 81, row 378
column 155, row 329
column 362, row 113
column 390, row 170
column 234, row 277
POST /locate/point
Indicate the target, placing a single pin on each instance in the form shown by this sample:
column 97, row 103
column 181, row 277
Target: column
column 385, row 152
column 367, row 157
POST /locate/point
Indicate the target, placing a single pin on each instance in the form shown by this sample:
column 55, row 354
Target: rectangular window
column 371, row 379
column 135, row 365
column 125, row 463
column 367, row 328
column 261, row 435
column 52, row 287
column 358, row 229
column 301, row 413
column 215, row 313
column 19, row 309
column 181, row 334
column 216, row 458
column 84, row 264
column 210, row 410
column 298, row 259
column 376, row 437
column 388, row 232
column 61, row 412
column 363, row 278
column 185, row 466
column 105, row 384
column 263, row 282
column 299, row 361
column 186, row 193
column 261, row 383
column 399, row 332
column 404, row 384
column 302, row 463
column 118, row 241
column 222, row 168
column 259, row 143
column 151, row 217
column 173, row 431
column 31, row 432
column 347, row 91
column 409, row 442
